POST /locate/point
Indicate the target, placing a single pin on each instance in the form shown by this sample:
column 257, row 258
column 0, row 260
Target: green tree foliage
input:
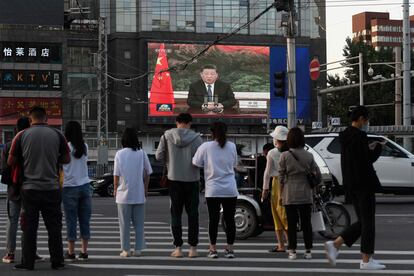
column 338, row 103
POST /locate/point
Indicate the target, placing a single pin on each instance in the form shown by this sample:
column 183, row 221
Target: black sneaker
column 22, row 267
column 229, row 254
column 83, row 256
column 58, row 266
column 70, row 257
column 212, row 254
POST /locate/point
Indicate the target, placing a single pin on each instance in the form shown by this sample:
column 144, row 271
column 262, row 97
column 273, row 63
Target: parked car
column 253, row 216
column 395, row 166
column 104, row 185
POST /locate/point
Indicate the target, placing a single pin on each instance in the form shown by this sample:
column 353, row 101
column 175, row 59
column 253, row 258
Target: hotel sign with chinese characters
column 30, row 52
column 30, row 80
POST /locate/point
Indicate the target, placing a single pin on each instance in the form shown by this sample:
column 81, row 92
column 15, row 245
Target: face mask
column 364, row 127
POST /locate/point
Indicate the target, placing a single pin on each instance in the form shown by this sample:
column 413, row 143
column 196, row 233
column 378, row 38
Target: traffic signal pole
column 291, row 67
column 406, row 75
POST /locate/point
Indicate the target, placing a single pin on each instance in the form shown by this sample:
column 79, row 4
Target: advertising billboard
column 240, row 87
column 236, row 81
column 13, row 108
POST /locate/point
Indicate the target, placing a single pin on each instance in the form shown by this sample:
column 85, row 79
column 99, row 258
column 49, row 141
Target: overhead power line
column 183, row 65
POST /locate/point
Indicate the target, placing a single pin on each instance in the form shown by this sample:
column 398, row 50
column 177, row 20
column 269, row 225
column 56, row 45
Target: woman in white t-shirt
column 218, row 158
column 131, row 178
column 77, row 196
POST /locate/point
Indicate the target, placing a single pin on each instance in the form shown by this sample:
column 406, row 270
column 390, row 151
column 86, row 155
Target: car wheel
column 246, row 221
column 110, row 190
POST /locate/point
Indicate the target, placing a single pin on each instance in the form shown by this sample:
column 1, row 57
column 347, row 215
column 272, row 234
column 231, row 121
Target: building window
column 80, row 56
column 244, row 3
column 160, row 15
column 128, row 107
column 127, row 54
column 210, row 24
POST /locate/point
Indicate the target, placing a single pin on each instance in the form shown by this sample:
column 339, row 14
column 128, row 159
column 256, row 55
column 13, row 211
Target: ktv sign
column 30, row 80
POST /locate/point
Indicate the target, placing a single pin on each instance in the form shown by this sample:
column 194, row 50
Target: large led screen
column 228, row 81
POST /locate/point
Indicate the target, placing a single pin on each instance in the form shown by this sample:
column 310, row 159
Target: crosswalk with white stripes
column 251, row 255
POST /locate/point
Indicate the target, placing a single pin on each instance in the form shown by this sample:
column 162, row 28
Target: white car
column 395, row 166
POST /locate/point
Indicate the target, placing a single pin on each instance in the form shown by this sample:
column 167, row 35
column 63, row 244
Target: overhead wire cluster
column 183, row 65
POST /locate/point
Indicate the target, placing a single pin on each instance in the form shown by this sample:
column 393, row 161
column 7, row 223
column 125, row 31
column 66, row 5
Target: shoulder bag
column 313, row 179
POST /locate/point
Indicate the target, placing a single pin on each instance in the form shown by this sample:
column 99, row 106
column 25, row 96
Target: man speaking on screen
column 210, row 93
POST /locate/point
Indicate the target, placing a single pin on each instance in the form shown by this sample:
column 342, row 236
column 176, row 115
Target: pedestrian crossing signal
column 279, row 79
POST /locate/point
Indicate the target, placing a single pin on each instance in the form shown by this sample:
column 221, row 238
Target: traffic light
column 282, row 5
column 279, row 83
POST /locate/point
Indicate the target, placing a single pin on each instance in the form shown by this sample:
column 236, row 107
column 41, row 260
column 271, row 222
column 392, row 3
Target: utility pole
column 291, row 66
column 407, row 73
column 102, row 75
column 361, row 79
column 397, row 86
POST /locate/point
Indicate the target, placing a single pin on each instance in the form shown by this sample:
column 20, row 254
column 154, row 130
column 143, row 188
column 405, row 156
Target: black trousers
column 364, row 227
column 293, row 213
column 184, row 195
column 49, row 204
column 229, row 209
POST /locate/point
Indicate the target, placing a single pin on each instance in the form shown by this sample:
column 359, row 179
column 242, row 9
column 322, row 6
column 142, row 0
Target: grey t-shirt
column 38, row 149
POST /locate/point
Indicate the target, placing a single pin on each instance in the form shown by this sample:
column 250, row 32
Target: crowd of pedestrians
column 45, row 168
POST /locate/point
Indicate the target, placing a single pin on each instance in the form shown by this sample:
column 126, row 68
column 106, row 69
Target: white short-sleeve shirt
column 75, row 173
column 218, row 164
column 130, row 165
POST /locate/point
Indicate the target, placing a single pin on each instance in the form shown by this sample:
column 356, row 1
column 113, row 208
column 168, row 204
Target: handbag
column 164, row 178
column 318, row 224
column 313, row 179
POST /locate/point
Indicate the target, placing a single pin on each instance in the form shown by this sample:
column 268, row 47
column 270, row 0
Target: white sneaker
column 331, row 252
column 371, row 265
column 307, row 256
column 124, row 254
column 292, row 255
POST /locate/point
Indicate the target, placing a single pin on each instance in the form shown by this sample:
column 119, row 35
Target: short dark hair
column 22, row 123
column 357, row 112
column 209, row 66
column 295, row 138
column 130, row 139
column 268, row 146
column 38, row 113
column 184, row 118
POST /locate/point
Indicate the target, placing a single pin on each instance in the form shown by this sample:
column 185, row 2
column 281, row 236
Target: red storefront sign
column 13, row 108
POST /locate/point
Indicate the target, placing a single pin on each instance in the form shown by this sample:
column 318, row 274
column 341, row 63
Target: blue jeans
column 134, row 213
column 77, row 204
column 13, row 214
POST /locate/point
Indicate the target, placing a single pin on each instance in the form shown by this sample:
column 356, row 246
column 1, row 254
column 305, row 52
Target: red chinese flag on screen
column 162, row 95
